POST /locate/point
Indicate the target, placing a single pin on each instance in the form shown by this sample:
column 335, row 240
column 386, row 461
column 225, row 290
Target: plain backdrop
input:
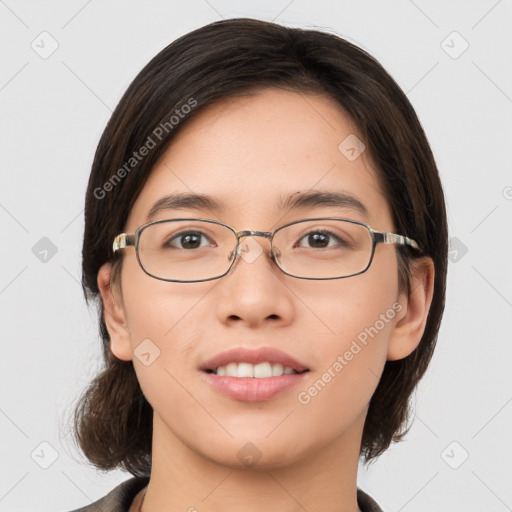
column 64, row 66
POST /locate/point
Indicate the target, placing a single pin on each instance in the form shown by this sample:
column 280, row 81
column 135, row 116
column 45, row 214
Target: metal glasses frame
column 124, row 240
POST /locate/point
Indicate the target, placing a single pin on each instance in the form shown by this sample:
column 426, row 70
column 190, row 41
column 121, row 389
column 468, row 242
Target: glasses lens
column 189, row 250
column 323, row 248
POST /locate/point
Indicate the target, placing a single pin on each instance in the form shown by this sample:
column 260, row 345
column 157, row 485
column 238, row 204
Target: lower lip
column 251, row 389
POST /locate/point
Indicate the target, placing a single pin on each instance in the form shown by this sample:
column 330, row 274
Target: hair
column 235, row 57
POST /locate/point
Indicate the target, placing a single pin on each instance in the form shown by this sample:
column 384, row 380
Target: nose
column 254, row 292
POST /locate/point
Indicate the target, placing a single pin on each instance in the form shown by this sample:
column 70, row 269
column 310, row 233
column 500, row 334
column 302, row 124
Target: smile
column 253, row 374
column 262, row 370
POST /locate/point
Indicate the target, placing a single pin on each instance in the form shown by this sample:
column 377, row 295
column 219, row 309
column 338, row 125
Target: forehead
column 252, row 153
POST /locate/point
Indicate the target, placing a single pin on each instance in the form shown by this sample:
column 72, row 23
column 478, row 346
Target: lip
column 253, row 356
column 253, row 389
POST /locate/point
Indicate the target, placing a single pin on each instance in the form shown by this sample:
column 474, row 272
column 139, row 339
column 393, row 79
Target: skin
column 309, row 452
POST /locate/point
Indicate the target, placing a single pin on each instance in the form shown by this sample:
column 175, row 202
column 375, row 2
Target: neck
column 323, row 480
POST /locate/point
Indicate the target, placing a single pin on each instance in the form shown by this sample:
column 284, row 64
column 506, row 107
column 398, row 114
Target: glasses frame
column 124, row 240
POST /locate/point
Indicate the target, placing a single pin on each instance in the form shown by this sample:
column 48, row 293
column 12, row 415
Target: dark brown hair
column 113, row 420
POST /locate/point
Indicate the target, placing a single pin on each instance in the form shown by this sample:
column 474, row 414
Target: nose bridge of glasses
column 252, row 233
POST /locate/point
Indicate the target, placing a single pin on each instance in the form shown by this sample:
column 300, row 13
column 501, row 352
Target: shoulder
column 118, row 499
column 366, row 503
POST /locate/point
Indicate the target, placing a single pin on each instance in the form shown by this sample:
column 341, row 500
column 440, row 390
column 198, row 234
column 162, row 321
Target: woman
column 266, row 240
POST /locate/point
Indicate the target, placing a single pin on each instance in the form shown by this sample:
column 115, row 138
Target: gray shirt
column 121, row 497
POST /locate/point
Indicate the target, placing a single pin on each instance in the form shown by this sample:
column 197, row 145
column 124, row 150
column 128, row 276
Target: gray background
column 53, row 111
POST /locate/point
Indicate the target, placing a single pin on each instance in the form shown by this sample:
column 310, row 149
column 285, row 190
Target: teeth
column 277, row 370
column 262, row 371
column 244, row 370
column 257, row 371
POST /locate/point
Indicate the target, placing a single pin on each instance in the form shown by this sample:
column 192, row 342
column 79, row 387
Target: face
column 249, row 153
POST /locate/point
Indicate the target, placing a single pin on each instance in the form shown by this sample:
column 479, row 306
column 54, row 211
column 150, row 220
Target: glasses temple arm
column 392, row 238
column 122, row 241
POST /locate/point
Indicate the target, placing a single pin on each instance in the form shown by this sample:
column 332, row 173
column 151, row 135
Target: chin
column 260, row 455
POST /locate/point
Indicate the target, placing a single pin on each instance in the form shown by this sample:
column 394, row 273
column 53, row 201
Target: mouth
column 253, row 375
column 260, row 363
column 246, row 370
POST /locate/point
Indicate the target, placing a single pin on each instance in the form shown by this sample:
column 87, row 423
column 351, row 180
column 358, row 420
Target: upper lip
column 253, row 356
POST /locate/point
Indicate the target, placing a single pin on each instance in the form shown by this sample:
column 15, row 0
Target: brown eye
column 187, row 240
column 322, row 239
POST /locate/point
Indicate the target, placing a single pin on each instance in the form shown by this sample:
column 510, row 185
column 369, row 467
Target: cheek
column 158, row 309
column 356, row 318
column 361, row 307
column 167, row 322
column 349, row 365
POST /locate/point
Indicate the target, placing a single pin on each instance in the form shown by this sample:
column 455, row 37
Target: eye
column 188, row 240
column 322, row 239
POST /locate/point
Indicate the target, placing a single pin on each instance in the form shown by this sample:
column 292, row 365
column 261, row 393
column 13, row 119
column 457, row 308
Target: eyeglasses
column 192, row 250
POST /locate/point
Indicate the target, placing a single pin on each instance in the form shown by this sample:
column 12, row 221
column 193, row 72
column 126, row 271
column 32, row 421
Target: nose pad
column 236, row 252
column 249, row 250
column 232, row 255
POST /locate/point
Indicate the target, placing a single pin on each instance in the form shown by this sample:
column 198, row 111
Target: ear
column 411, row 321
column 114, row 314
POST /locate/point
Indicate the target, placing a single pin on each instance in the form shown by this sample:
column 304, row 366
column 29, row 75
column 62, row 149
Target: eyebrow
column 186, row 201
column 320, row 198
column 296, row 201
